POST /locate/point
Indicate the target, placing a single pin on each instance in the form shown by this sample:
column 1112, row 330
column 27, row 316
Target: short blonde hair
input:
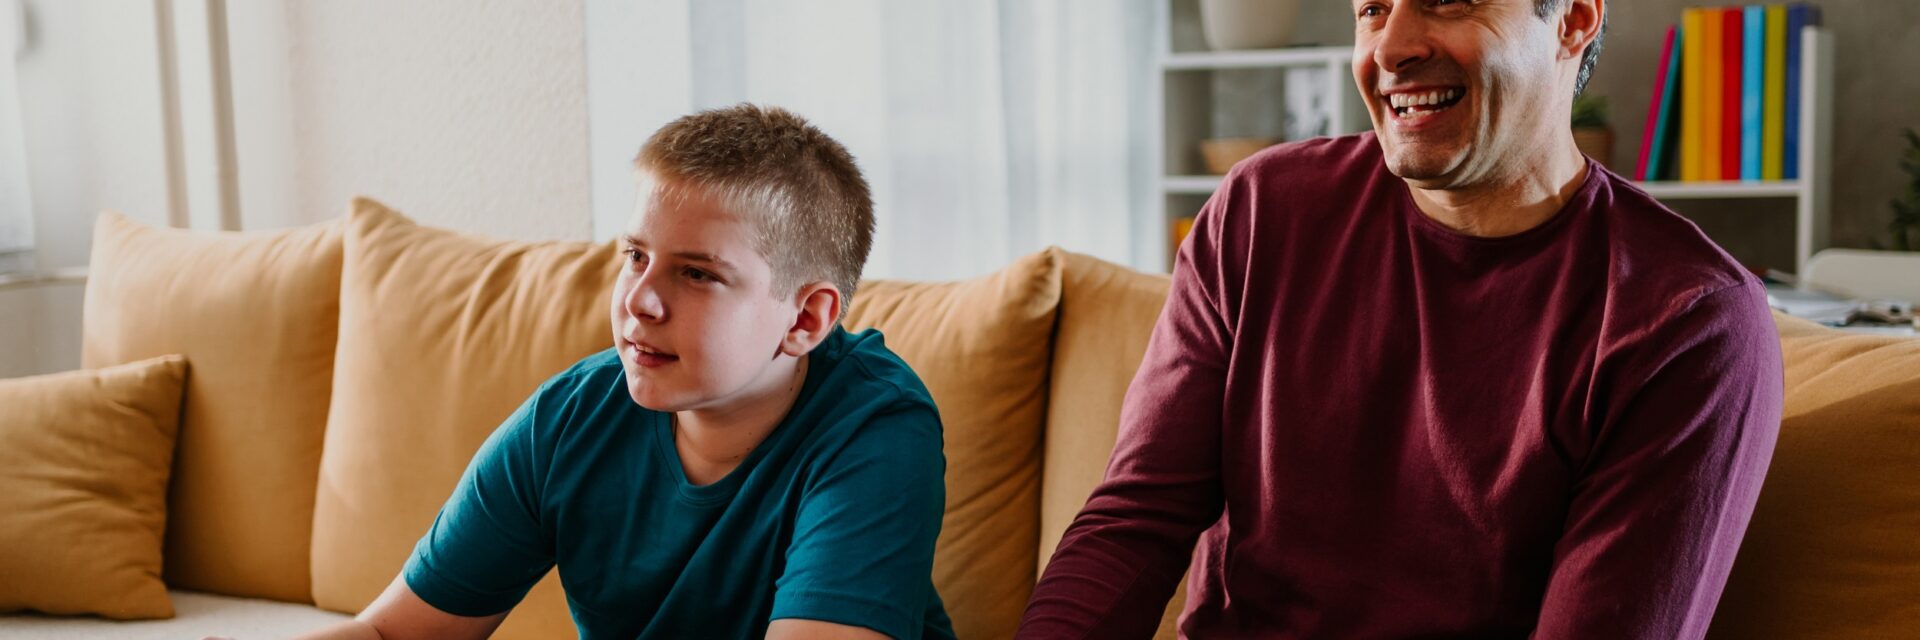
column 810, row 210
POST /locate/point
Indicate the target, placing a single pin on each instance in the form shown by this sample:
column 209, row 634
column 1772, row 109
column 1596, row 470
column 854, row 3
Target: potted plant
column 1905, row 226
column 1590, row 131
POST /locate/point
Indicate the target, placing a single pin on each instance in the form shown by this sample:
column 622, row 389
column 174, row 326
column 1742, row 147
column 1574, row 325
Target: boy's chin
column 651, row 399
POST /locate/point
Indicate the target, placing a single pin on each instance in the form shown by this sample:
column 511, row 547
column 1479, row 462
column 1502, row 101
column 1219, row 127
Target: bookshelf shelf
column 1256, row 59
column 1669, row 190
column 1190, row 185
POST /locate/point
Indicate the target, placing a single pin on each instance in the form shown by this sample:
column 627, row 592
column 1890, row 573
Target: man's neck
column 712, row 442
column 1531, row 196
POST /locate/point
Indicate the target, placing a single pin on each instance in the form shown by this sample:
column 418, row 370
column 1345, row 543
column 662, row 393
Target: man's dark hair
column 1546, row 9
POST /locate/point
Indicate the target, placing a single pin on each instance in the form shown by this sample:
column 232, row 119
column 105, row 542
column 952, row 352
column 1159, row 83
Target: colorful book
column 1691, row 62
column 1731, row 56
column 1712, row 84
column 1752, row 89
column 1773, row 129
column 1654, row 138
column 1799, row 17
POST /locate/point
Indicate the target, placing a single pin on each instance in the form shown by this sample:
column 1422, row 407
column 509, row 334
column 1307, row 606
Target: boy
column 737, row 464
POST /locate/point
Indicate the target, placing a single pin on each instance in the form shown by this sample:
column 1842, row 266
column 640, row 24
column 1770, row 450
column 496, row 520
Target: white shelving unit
column 1813, row 190
column 1189, row 78
column 1187, row 85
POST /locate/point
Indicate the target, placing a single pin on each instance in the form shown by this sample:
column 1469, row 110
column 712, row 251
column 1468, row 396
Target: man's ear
column 819, row 314
column 1580, row 26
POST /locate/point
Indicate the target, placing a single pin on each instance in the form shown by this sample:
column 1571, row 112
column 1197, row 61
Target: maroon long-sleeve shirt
column 1377, row 427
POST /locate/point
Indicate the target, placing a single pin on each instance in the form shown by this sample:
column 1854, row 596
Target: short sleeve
column 862, row 549
column 487, row 547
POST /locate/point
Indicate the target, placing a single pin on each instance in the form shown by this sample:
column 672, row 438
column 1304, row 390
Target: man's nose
column 1402, row 42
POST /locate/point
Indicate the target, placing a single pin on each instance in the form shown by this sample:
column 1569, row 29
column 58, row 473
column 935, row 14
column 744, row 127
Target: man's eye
column 1370, row 11
column 635, row 256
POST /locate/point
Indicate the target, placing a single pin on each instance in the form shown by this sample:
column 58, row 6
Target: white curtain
column 989, row 128
column 16, row 202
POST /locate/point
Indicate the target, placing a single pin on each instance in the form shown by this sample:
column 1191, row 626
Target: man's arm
column 1664, row 497
column 398, row 614
column 1118, row 563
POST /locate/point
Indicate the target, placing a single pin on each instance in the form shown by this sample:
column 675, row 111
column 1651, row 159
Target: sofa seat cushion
column 196, row 615
column 1833, row 550
column 442, row 335
column 256, row 314
column 982, row 347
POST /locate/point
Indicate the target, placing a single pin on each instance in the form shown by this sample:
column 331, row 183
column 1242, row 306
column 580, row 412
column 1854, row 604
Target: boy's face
column 693, row 319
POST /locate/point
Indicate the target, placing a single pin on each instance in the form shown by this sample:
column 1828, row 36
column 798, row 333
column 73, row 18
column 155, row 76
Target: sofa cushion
column 1833, row 550
column 196, row 615
column 256, row 314
column 84, row 460
column 981, row 346
column 442, row 336
column 1107, row 312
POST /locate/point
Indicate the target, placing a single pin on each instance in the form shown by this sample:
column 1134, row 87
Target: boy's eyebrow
column 692, row 256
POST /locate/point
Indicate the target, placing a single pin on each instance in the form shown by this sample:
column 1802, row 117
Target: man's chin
column 1423, row 171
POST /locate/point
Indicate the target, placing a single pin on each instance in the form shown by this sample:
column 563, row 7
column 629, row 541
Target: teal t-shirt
column 833, row 517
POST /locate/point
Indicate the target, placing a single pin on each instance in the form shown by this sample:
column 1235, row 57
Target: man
column 1447, row 379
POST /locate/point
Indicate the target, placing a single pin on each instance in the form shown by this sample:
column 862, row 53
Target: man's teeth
column 1401, row 101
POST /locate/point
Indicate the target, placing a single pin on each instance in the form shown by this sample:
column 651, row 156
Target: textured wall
column 468, row 115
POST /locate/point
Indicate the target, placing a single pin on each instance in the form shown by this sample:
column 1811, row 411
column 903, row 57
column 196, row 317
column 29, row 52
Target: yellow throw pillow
column 256, row 313
column 1833, row 550
column 442, row 336
column 982, row 347
column 84, row 458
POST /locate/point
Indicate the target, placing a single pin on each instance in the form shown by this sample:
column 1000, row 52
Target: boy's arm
column 861, row 556
column 485, row 549
column 399, row 614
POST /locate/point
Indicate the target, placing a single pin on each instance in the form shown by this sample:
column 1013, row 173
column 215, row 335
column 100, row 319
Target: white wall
column 470, row 116
column 467, row 115
column 90, row 101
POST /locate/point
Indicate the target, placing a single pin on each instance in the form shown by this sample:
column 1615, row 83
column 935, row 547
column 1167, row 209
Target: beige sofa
column 342, row 374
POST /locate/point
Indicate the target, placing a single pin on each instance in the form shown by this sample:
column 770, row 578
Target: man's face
column 1460, row 91
column 693, row 320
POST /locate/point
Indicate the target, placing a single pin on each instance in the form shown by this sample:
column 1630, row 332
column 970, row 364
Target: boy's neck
column 712, row 442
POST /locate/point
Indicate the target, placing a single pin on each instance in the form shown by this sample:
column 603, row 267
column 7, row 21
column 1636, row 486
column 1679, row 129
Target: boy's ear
column 819, row 314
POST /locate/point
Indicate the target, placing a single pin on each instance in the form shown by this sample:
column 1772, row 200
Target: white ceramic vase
column 1248, row 24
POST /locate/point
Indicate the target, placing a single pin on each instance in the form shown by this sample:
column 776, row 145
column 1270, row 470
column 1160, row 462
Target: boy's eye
column 697, row 275
column 635, row 256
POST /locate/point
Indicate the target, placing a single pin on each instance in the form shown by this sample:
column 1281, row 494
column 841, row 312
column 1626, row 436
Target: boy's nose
column 643, row 300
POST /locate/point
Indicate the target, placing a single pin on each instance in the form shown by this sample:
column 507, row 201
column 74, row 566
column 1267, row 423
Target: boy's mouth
column 649, row 357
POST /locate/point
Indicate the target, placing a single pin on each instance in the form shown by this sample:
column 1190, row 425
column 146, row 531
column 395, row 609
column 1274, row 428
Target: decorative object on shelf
column 1590, row 130
column 1222, row 153
column 1905, row 226
column 1309, row 102
column 1248, row 24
